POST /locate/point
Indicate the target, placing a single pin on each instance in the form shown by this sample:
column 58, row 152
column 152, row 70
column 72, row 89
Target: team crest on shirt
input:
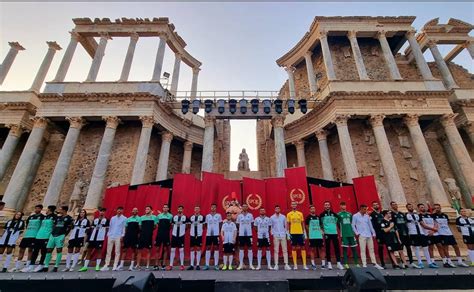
column 254, row 201
column 297, row 195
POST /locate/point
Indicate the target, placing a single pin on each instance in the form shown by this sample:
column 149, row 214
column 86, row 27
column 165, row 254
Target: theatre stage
column 228, row 281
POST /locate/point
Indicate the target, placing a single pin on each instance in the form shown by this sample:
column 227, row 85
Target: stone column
column 8, row 61
column 291, row 81
column 9, row 147
column 388, row 162
column 188, row 150
column 23, row 167
column 64, row 160
column 208, row 144
column 323, row 38
column 313, row 86
column 300, row 152
column 457, row 171
column 139, row 166
column 194, row 83
column 280, row 148
column 175, row 76
column 38, row 156
column 388, row 56
column 43, row 70
column 96, row 186
column 459, row 149
column 67, row 58
column 470, row 48
column 350, row 165
column 418, row 54
column 99, row 55
column 162, row 170
column 359, row 60
column 443, row 68
column 469, row 128
column 127, row 64
column 160, row 55
column 433, row 180
column 324, row 153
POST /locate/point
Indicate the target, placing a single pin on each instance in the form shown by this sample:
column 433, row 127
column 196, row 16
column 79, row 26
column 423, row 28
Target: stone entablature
column 87, row 29
column 355, row 104
column 133, row 106
column 18, row 107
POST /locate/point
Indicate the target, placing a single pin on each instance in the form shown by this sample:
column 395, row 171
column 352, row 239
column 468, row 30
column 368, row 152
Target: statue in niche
column 243, row 161
column 454, row 193
column 76, row 196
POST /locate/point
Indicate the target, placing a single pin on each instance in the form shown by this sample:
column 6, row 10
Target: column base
column 450, row 211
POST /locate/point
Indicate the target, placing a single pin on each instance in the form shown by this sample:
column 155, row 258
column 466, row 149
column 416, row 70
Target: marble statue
column 243, row 161
column 76, row 196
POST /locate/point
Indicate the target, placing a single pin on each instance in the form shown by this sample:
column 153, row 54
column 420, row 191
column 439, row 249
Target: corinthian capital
column 112, row 121
column 75, row 122
column 105, row 35
column 323, row 34
column 54, row 46
column 209, row 121
column 299, row 144
column 411, row 120
column 278, row 121
column 431, row 43
column 188, row 146
column 16, row 46
column 40, row 122
column 167, row 136
column 321, row 134
column 410, row 33
column 352, row 34
column 380, row 34
column 447, row 120
column 376, row 120
column 147, row 121
column 15, row 130
column 341, row 120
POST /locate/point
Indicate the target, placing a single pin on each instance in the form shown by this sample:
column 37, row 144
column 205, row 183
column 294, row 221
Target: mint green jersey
column 46, row 227
column 314, row 226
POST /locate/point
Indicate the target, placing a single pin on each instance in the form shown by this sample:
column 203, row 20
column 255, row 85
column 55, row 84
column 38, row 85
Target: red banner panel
column 254, row 194
column 275, row 190
column 319, row 195
column 113, row 198
column 297, row 187
column 344, row 194
column 184, row 193
column 210, row 190
column 226, row 188
column 365, row 190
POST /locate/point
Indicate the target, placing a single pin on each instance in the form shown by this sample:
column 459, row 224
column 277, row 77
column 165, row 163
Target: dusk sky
column 237, row 43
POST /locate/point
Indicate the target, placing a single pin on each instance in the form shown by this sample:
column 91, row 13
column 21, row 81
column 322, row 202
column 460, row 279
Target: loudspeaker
column 364, row 279
column 139, row 282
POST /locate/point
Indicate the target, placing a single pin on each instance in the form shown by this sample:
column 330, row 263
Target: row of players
column 392, row 229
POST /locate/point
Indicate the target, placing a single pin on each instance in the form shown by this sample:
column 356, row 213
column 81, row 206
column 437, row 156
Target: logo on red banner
column 226, row 202
column 297, row 195
column 254, row 201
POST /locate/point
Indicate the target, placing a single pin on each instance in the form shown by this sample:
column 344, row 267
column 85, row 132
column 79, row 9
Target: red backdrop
column 297, row 187
column 254, row 194
column 276, row 194
column 366, row 190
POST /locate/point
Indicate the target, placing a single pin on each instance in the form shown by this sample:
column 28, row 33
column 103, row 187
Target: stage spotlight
column 278, row 106
column 267, row 106
column 303, row 105
column 232, row 106
column 221, row 106
column 243, row 106
column 254, row 103
column 185, row 106
column 291, row 106
column 208, row 105
column 196, row 106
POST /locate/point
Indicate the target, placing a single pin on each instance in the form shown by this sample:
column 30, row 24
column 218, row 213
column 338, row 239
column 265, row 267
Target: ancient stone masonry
column 384, row 120
column 373, row 109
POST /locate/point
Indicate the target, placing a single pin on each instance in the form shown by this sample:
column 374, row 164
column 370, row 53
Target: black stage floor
column 228, row 281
